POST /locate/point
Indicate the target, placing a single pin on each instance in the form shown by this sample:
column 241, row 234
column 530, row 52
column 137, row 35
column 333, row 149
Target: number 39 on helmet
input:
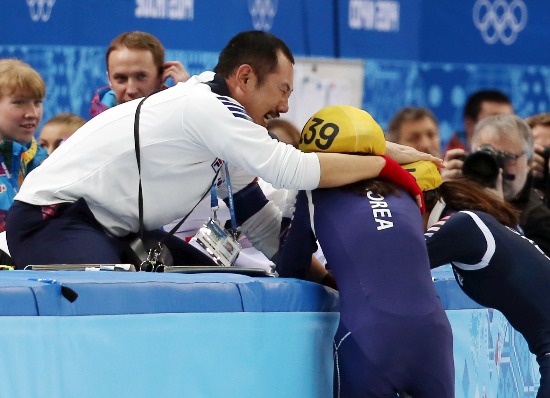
column 343, row 129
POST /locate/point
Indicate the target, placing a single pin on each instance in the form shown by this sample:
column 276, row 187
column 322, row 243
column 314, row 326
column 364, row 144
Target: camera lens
column 483, row 167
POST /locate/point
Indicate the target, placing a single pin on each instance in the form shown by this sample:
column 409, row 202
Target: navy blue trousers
column 70, row 234
column 544, row 368
column 373, row 361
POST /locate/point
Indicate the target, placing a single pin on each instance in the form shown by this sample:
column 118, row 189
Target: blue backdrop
column 417, row 52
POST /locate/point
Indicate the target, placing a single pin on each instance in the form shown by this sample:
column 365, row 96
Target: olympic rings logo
column 263, row 12
column 498, row 20
column 40, row 10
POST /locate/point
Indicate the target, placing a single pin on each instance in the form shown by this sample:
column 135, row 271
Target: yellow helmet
column 344, row 129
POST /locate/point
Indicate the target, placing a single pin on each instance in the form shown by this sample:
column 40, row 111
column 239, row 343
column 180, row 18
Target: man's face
column 494, row 108
column 271, row 98
column 132, row 74
column 20, row 116
column 513, row 146
column 488, row 108
column 421, row 134
column 541, row 135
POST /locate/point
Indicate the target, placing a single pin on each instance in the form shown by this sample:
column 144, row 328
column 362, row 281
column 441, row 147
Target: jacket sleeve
column 222, row 126
column 259, row 218
column 300, row 243
column 458, row 238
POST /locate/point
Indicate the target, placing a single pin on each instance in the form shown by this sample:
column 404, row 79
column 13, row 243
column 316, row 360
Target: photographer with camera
column 501, row 153
column 540, row 126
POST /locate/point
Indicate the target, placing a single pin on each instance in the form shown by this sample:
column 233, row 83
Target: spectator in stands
column 540, row 127
column 135, row 68
column 89, row 189
column 22, row 91
column 416, row 127
column 284, row 130
column 57, row 129
column 394, row 336
column 494, row 265
column 479, row 105
column 512, row 138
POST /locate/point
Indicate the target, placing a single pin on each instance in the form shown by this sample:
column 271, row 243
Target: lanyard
column 214, row 200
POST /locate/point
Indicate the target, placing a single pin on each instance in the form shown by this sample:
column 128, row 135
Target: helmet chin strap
column 435, row 214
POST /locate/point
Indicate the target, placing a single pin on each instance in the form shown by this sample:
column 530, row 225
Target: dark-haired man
column 84, row 200
column 479, row 105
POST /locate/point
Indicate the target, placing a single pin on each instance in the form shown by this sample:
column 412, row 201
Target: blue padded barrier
column 164, row 335
column 491, row 358
column 215, row 335
column 109, row 293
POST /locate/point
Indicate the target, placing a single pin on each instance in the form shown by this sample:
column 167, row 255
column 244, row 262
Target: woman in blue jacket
column 493, row 263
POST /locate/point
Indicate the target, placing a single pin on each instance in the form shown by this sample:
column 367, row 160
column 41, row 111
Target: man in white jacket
column 81, row 204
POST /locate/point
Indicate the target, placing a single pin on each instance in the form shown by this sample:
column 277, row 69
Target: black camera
column 483, row 165
column 544, row 182
column 546, row 176
column 545, row 153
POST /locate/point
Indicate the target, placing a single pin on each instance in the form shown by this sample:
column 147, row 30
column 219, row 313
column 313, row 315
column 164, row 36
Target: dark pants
column 544, row 368
column 388, row 361
column 70, row 234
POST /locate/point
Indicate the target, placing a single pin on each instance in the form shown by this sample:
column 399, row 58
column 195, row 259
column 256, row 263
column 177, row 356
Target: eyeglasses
column 511, row 158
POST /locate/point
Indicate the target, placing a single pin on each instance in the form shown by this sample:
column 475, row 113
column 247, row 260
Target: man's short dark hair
column 474, row 101
column 256, row 48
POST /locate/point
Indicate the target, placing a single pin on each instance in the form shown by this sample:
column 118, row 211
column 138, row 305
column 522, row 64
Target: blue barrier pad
column 245, row 355
column 193, row 335
column 111, row 293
